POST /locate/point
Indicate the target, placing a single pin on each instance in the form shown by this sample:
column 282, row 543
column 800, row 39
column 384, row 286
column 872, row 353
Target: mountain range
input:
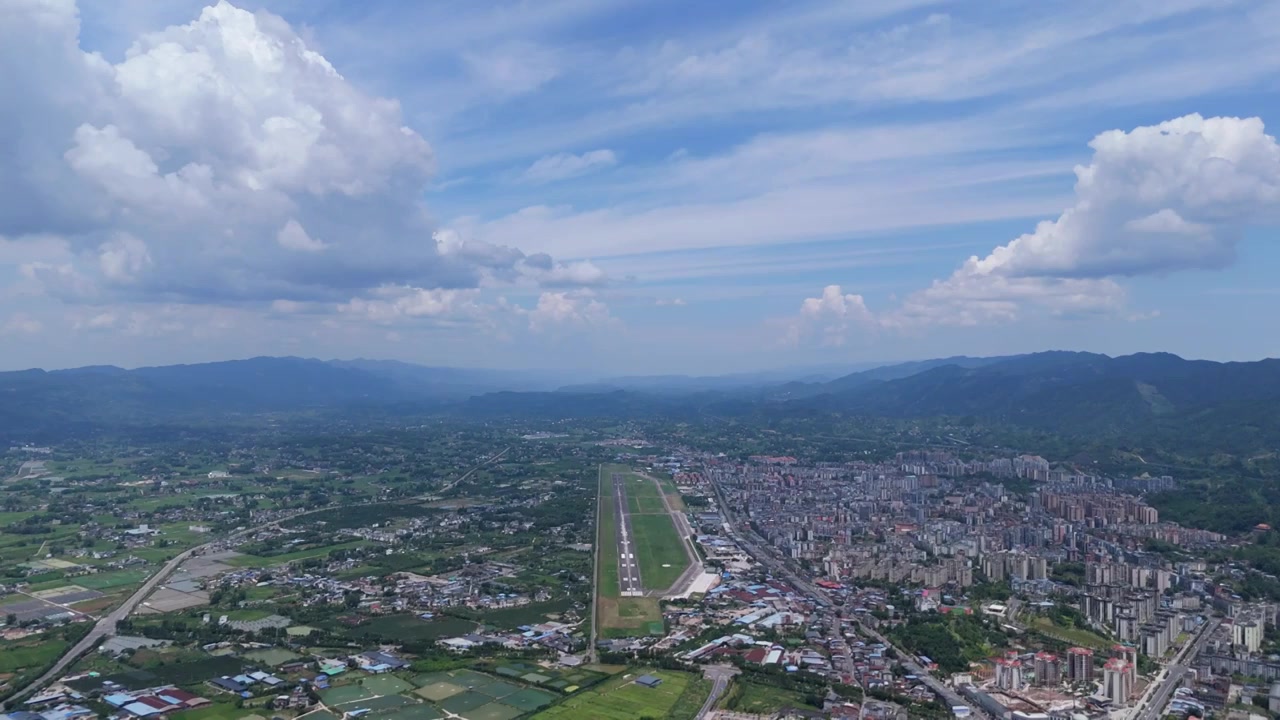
column 1085, row 393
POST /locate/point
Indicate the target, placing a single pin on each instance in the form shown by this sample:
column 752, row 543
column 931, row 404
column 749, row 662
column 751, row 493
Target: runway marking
column 629, row 583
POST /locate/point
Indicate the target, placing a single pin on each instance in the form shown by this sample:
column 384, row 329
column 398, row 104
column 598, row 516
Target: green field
column 759, row 699
column 385, row 685
column 659, row 549
column 218, row 711
column 412, row 627
column 14, row 658
column 272, row 656
column 344, row 694
column 117, row 578
column 1072, row 635
column 263, row 561
column 622, row 699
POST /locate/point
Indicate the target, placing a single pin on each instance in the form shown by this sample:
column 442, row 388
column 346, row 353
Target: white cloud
column 21, row 324
column 207, row 161
column 568, row 309
column 392, row 303
column 831, row 316
column 670, row 302
column 567, row 165
column 123, row 257
column 293, row 237
column 1174, row 196
column 1169, row 197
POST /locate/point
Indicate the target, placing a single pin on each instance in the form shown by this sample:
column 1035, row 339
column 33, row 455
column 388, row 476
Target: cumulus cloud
column 572, row 309
column 831, row 317
column 397, row 302
column 123, row 258
column 293, row 237
column 220, row 162
column 1159, row 199
column 1173, row 196
column 21, row 324
column 562, row 166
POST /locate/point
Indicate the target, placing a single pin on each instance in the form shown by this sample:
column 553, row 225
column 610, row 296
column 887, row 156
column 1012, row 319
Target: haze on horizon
column 639, row 186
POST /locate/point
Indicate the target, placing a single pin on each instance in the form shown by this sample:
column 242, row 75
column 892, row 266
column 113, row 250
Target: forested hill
column 1203, row 406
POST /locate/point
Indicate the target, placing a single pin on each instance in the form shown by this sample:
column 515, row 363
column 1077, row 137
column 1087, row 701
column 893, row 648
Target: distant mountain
column 707, row 383
column 1202, row 404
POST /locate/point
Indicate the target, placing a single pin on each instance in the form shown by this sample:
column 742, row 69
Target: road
column 1158, row 694
column 104, row 627
column 463, row 478
column 720, row 677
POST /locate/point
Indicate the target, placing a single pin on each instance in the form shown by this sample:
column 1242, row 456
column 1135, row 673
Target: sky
column 636, row 186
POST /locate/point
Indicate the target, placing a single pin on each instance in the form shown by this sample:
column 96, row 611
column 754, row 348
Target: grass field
column 344, row 694
column 622, row 699
column 188, row 673
column 263, row 561
column 272, row 656
column 659, row 549
column 759, row 699
column 1074, row 636
column 26, row 657
column 385, row 685
column 531, row 614
column 118, row 578
column 217, row 711
column 412, row 627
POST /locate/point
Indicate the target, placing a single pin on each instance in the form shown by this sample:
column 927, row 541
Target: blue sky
column 637, row 187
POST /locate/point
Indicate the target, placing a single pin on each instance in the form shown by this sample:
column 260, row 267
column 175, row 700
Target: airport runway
column 628, row 568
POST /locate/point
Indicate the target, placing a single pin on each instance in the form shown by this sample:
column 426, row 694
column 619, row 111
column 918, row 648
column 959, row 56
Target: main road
column 1157, row 696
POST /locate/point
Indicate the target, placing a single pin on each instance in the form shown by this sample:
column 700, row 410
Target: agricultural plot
column 385, row 685
column 476, row 696
column 412, row 627
column 408, row 712
column 272, row 656
column 118, row 578
column 344, row 694
column 621, row 699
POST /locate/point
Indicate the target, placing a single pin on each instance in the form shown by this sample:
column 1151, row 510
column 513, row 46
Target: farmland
column 621, row 699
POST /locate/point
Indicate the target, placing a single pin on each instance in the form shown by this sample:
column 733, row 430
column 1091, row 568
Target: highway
column 104, row 627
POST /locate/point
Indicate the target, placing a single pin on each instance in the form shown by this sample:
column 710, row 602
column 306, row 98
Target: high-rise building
column 1117, row 683
column 1009, row 672
column 1080, row 665
column 1048, row 671
column 1129, row 654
